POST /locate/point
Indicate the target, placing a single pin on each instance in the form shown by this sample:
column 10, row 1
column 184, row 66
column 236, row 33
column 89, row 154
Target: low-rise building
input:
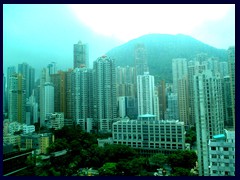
column 149, row 135
column 39, row 142
column 28, row 128
column 55, row 120
column 222, row 154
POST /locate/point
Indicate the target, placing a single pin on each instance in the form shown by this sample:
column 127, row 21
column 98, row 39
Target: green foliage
column 179, row 171
column 108, row 169
column 158, row 160
column 58, row 145
column 184, row 159
column 117, row 152
column 191, row 136
column 161, row 49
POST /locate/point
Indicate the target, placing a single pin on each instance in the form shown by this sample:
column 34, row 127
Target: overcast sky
column 40, row 34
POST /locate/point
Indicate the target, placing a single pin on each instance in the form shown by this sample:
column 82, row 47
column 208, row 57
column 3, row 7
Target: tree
column 185, row 159
column 108, row 169
column 117, row 152
column 179, row 171
column 58, row 145
column 158, row 160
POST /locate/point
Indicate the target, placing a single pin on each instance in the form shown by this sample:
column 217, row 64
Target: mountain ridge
column 161, row 49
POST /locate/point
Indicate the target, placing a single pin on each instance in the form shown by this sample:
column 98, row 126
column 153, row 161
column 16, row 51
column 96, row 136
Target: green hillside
column 161, row 49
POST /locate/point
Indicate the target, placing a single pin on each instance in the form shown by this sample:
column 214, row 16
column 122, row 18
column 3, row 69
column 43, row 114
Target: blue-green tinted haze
column 40, row 34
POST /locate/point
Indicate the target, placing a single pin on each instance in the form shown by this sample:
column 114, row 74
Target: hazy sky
column 40, row 34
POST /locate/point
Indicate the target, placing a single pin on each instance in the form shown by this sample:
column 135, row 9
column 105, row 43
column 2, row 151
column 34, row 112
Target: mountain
column 161, row 49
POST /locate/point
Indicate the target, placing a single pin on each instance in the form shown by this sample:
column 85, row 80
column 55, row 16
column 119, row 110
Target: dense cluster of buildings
column 126, row 101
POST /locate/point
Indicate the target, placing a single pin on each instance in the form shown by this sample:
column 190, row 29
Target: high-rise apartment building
column 52, row 69
column 59, row 83
column 146, row 95
column 172, row 107
column 223, row 69
column 46, row 96
column 231, row 66
column 105, row 100
column 162, row 97
column 194, row 67
column 179, row 70
column 24, row 70
column 17, row 98
column 227, row 103
column 183, row 101
column 208, row 114
column 10, row 70
column 125, row 81
column 82, row 95
column 31, row 80
column 80, row 55
column 141, row 64
column 69, row 87
column 4, row 94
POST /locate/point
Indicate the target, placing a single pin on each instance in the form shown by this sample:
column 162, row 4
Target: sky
column 40, row 34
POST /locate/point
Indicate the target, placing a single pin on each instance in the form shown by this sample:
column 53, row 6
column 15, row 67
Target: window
column 214, row 156
column 213, row 148
column 225, row 149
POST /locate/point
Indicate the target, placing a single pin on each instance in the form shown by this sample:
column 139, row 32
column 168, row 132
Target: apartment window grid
column 133, row 135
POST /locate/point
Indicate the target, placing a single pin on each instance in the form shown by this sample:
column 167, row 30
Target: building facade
column 80, row 55
column 147, row 99
column 146, row 133
column 208, row 113
column 222, row 154
column 17, row 98
column 104, row 88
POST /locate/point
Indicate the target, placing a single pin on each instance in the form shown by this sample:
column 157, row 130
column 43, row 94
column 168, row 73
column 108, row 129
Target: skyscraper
column 4, row 94
column 11, row 70
column 180, row 86
column 82, row 96
column 141, row 64
column 179, row 70
column 227, row 103
column 46, row 96
column 59, row 83
column 24, row 70
column 146, row 95
column 105, row 101
column 17, row 98
column 231, row 66
column 183, row 100
column 80, row 55
column 208, row 114
column 162, row 99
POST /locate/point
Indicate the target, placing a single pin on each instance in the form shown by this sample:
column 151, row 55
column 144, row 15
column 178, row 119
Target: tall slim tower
column 146, row 95
column 208, row 114
column 141, row 64
column 24, row 70
column 80, row 55
column 4, row 94
column 105, row 100
column 31, row 80
column 59, row 83
column 10, row 71
column 162, row 99
column 231, row 66
column 227, row 103
column 82, row 95
column 17, row 98
column 179, row 70
column 46, row 96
